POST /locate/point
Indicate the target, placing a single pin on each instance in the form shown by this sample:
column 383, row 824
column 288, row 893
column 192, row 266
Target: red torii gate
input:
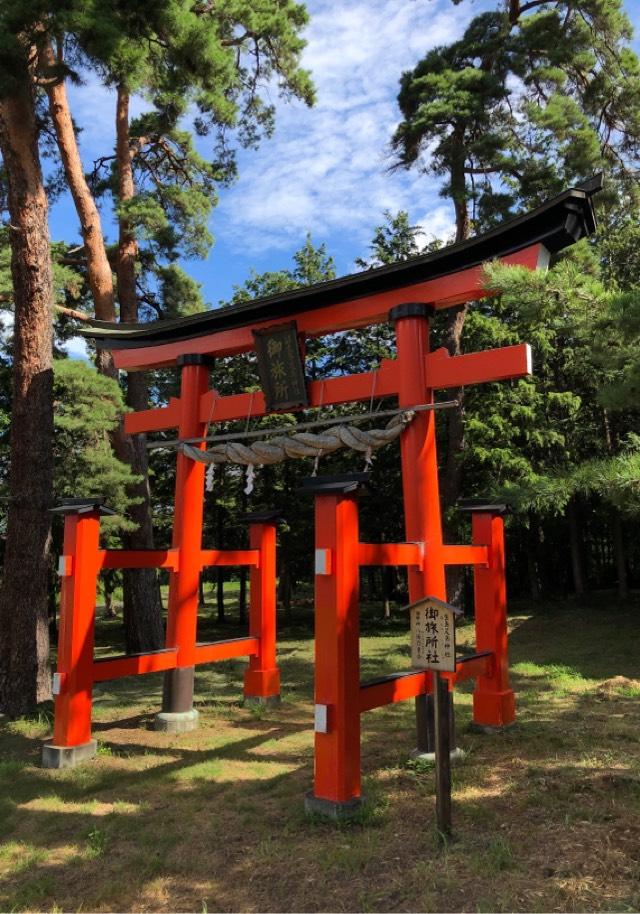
column 407, row 294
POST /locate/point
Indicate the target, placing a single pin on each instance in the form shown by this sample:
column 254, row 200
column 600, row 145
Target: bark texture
column 99, row 273
column 452, row 476
column 142, row 605
column 24, row 632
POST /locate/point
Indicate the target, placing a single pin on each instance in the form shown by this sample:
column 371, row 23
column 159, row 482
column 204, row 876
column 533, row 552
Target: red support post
column 493, row 699
column 336, row 790
column 73, row 681
column 420, row 487
column 262, row 677
column 178, row 713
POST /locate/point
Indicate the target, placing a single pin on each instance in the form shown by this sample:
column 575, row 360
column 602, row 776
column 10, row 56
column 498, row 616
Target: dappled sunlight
column 214, row 818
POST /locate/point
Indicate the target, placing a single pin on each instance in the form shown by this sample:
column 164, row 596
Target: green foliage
column 395, row 240
column 526, row 102
column 87, row 406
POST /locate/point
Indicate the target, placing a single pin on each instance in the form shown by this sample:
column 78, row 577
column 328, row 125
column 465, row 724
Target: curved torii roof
column 545, row 230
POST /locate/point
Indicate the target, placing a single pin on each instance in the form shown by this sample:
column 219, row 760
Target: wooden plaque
column 433, row 635
column 281, row 367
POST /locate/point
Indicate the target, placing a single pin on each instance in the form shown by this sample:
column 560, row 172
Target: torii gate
column 408, row 294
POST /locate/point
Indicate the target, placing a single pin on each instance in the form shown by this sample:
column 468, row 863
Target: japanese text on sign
column 433, row 642
column 281, row 367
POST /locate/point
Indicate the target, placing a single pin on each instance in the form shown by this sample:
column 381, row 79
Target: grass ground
column 546, row 815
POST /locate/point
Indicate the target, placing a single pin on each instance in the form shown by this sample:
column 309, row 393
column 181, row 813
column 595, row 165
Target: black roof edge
column 557, row 224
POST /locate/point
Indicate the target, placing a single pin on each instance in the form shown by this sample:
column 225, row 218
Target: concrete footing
column 67, row 756
column 261, row 701
column 488, row 730
column 456, row 755
column 339, row 812
column 176, row 721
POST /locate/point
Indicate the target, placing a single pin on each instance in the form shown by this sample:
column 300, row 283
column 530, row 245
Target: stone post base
column 67, row 756
column 176, row 721
column 261, row 701
column 331, row 809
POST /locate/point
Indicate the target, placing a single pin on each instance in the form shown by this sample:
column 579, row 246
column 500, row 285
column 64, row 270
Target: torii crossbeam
column 407, row 294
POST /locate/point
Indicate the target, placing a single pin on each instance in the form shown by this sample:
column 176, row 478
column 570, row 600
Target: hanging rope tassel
column 301, row 444
column 209, row 477
column 250, row 475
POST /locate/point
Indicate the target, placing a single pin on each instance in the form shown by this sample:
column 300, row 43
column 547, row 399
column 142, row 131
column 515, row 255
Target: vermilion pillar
column 178, row 713
column 262, row 677
column 493, row 699
column 336, row 789
column 420, row 487
column 73, row 681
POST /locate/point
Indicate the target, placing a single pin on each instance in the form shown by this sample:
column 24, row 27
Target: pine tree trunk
column 142, row 605
column 242, row 598
column 99, row 272
column 621, row 558
column 575, row 543
column 532, row 558
column 25, row 676
column 220, row 595
column 452, row 476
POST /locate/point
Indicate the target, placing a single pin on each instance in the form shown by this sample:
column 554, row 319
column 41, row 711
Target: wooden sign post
column 433, row 647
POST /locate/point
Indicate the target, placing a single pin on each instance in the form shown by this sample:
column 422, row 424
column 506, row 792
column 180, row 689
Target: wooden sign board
column 433, row 635
column 281, row 367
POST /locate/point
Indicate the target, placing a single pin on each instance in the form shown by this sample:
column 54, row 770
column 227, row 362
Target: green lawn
column 546, row 816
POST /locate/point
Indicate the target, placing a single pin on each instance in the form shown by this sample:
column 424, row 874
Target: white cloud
column 326, row 169
column 76, row 348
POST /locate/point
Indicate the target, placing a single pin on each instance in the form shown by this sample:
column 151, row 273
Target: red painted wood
column 385, row 693
column 390, row 554
column 182, row 618
column 443, row 292
column 132, row 666
column 262, row 676
column 210, row 557
column 72, row 721
column 337, row 661
column 225, row 650
column 420, row 461
column 493, row 699
column 147, row 558
column 464, row 555
column 214, row 408
column 444, row 370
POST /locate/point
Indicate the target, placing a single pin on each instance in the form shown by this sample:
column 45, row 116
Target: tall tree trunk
column 242, row 597
column 99, row 272
column 452, row 476
column 24, row 627
column 575, row 543
column 621, row 558
column 142, row 606
column 220, row 595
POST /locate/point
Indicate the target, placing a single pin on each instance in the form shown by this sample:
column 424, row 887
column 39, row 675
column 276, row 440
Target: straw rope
column 299, row 445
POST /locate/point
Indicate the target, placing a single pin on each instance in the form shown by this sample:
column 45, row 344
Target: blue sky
column 326, row 169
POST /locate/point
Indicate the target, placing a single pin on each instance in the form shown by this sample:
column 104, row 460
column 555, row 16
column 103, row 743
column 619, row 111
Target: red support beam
column 117, row 667
column 72, row 720
column 142, row 558
column 465, row 555
column 391, row 554
column 182, row 617
column 225, row 650
column 337, row 662
column 443, row 292
column 217, row 557
column 262, row 676
column 500, row 364
column 409, row 685
column 214, row 408
column 493, row 699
